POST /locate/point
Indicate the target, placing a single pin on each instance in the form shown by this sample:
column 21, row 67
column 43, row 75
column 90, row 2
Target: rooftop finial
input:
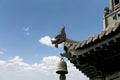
column 60, row 37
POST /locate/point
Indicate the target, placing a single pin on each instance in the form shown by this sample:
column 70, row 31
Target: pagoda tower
column 112, row 14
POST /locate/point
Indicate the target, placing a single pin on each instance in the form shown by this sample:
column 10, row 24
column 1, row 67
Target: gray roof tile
column 95, row 37
column 80, row 44
column 89, row 40
column 102, row 34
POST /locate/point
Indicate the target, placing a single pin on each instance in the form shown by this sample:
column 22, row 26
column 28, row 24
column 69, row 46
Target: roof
column 97, row 55
column 94, row 39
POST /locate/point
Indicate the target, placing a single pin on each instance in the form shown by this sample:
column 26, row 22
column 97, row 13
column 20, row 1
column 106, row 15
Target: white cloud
column 46, row 40
column 16, row 68
column 1, row 52
column 27, row 30
column 18, row 64
column 51, row 59
column 2, row 63
column 47, row 65
column 16, row 59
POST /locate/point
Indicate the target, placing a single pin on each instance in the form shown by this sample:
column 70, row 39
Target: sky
column 27, row 26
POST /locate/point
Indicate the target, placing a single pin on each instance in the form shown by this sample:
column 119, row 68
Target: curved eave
column 97, row 55
column 94, row 39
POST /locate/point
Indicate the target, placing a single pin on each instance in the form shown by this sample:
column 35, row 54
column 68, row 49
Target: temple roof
column 92, row 40
column 97, row 55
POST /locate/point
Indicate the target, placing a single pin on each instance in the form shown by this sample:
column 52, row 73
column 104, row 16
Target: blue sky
column 26, row 27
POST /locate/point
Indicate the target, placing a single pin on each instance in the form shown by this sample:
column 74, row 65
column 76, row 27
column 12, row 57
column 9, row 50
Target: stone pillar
column 105, row 21
column 111, row 5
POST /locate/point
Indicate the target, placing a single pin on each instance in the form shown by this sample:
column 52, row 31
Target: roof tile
column 80, row 44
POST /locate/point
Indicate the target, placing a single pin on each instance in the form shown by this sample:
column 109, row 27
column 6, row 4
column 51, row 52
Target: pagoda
column 98, row 57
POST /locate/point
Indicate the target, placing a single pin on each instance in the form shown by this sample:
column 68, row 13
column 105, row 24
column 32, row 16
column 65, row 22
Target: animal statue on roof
column 59, row 38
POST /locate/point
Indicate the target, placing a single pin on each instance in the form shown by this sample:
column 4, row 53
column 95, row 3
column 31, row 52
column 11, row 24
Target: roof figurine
column 59, row 38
